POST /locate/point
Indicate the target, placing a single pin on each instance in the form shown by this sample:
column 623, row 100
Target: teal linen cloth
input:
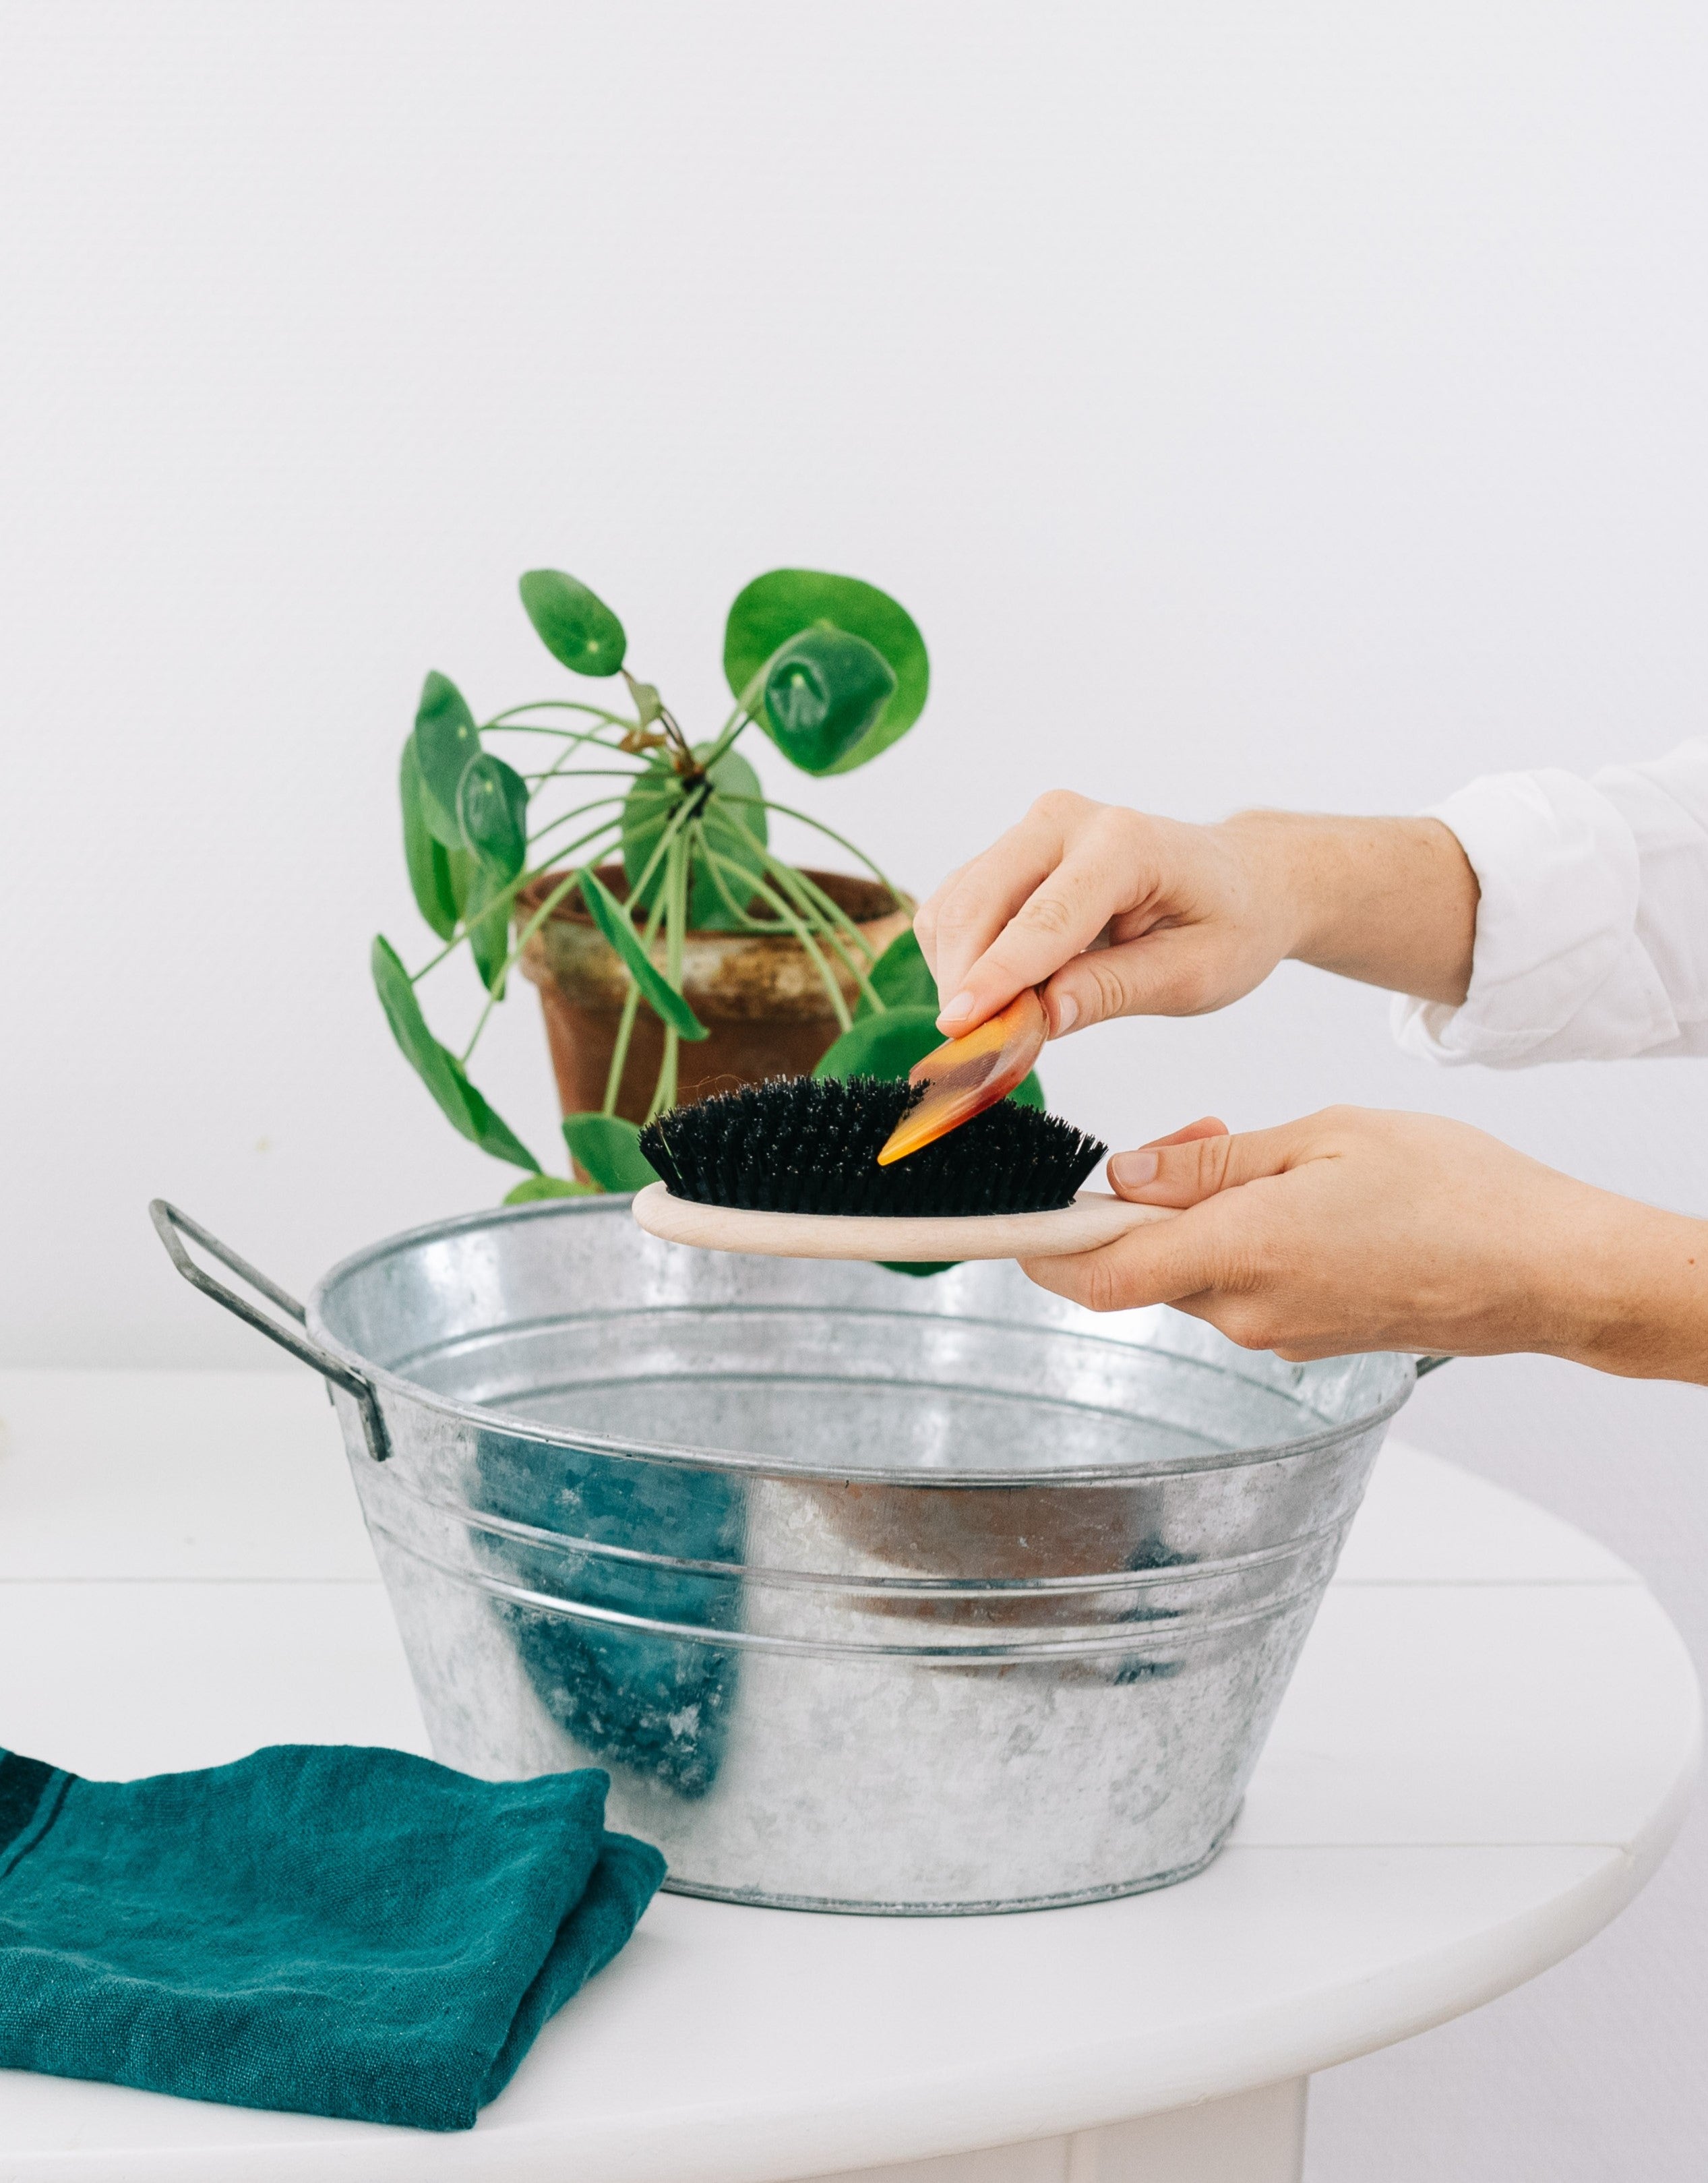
column 330, row 1930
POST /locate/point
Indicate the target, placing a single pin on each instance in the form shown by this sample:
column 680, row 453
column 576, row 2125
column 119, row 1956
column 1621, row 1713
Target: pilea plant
column 831, row 669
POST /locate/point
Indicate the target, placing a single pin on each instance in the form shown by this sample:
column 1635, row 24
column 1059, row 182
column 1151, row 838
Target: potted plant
column 677, row 952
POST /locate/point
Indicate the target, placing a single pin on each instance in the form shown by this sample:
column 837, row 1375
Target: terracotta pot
column 760, row 997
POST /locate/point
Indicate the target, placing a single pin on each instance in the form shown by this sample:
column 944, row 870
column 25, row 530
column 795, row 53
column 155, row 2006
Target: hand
column 1113, row 912
column 1110, row 912
column 1353, row 1230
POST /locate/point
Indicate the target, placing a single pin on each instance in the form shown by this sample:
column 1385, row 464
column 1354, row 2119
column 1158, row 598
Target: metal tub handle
column 172, row 1226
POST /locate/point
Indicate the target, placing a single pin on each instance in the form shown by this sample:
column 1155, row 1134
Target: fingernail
column 1066, row 1013
column 1131, row 1170
column 962, row 1005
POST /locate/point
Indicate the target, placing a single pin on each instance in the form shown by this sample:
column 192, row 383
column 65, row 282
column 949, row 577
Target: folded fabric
column 334, row 1930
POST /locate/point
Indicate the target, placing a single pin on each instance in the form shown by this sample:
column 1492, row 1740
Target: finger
column 925, row 917
column 1159, row 1263
column 1209, row 1126
column 1052, row 924
column 1173, row 970
column 1191, row 1167
column 973, row 906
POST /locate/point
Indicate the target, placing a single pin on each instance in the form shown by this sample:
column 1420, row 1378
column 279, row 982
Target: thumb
column 1168, row 972
column 1187, row 1167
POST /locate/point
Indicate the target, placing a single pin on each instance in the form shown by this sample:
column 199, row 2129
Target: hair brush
column 792, row 1168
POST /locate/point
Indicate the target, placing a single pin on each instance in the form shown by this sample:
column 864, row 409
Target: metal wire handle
column 172, row 1226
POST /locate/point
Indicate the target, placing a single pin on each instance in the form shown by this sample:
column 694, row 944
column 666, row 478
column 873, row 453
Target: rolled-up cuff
column 1558, row 973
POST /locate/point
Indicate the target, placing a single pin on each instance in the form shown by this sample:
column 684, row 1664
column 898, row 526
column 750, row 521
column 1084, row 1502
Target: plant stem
column 664, row 1091
column 833, row 912
column 791, row 881
column 726, row 737
column 583, row 773
column 509, row 893
column 746, row 921
column 545, row 910
column 827, row 975
column 672, row 826
column 597, row 737
column 619, row 1052
column 514, row 954
column 564, row 817
column 742, row 714
column 818, row 826
column 625, row 1028
column 676, row 885
column 665, row 845
column 675, row 892
column 631, row 1003
column 523, row 879
column 507, row 719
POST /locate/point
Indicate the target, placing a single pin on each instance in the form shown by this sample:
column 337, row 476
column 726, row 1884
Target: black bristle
column 803, row 1144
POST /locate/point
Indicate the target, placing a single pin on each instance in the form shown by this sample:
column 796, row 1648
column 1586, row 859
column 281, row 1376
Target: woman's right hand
column 1112, row 912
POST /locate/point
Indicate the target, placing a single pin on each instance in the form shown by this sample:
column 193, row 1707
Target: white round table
column 1488, row 1746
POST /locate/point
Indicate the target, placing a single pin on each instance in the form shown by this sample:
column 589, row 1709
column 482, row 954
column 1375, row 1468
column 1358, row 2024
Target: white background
column 1295, row 404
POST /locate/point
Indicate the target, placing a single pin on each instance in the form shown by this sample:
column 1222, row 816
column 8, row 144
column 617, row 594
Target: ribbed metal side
column 870, row 1592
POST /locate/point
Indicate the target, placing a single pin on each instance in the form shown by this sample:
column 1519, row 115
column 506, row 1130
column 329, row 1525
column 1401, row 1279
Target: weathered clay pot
column 761, row 997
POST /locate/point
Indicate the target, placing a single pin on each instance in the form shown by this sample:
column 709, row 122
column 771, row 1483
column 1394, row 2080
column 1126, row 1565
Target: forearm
column 1389, row 901
column 1631, row 1295
column 1354, row 1229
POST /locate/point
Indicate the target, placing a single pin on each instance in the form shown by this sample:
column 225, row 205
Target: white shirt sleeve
column 1591, row 931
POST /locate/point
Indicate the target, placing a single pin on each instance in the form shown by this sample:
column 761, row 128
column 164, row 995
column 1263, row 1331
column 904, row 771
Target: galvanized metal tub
column 871, row 1593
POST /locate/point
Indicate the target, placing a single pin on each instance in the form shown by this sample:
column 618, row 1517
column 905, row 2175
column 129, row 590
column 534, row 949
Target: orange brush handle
column 967, row 1075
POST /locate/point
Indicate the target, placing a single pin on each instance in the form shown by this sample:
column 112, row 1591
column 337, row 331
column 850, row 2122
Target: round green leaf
column 889, row 1044
column 428, row 860
column 885, row 1045
column 492, row 1132
column 430, row 1060
column 533, row 1187
column 492, row 810
column 901, row 978
column 609, row 1148
column 574, row 625
column 437, row 1067
column 488, row 921
column 824, row 691
column 781, row 604
column 445, row 739
column 616, row 925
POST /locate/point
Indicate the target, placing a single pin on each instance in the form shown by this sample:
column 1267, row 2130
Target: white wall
column 1302, row 404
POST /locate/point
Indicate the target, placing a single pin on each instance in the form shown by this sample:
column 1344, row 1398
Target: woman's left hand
column 1355, row 1230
